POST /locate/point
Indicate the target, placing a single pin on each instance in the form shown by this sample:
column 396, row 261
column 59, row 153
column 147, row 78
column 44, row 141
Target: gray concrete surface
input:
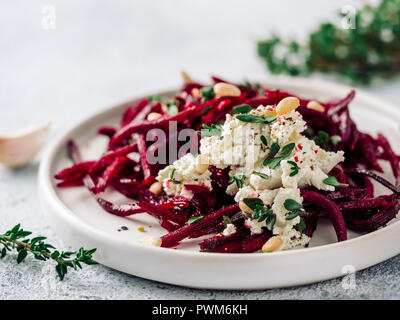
column 103, row 52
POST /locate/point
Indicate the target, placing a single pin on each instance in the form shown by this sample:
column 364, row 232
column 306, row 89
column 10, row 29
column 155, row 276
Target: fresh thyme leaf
column 332, row 181
column 271, row 221
column 287, row 150
column 274, row 149
column 253, row 202
column 323, row 134
column 294, row 168
column 272, row 162
column 14, row 239
column 209, row 131
column 153, row 98
column 260, row 174
column 238, row 178
column 205, row 110
column 207, row 93
column 322, row 140
column 194, row 219
column 301, row 226
column 227, row 221
column 248, row 86
column 292, row 215
column 336, row 140
column 171, row 177
column 292, row 205
column 264, row 140
column 262, row 217
column 255, row 119
column 265, row 215
column 243, row 108
column 172, row 108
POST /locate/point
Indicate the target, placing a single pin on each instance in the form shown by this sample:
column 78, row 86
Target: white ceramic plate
column 80, row 221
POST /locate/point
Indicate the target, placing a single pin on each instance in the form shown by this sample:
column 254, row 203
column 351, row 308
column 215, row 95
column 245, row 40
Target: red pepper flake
column 270, row 109
column 316, row 151
column 256, row 134
column 296, row 158
column 300, row 146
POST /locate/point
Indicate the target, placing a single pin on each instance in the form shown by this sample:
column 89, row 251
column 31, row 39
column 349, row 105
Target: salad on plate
column 241, row 167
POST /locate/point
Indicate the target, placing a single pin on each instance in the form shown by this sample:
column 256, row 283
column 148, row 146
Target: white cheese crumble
column 184, row 172
column 230, row 229
column 243, row 147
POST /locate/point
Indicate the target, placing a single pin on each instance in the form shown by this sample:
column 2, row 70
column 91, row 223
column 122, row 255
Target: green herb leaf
column 264, row 140
column 294, row 168
column 3, row 253
column 255, row 119
column 271, row 221
column 243, row 108
column 260, row 174
column 292, row 205
column 207, row 93
column 238, row 178
column 194, row 219
column 21, row 256
column 322, row 140
column 274, row 149
column 253, row 202
column 172, row 108
column 171, row 177
column 301, row 226
column 336, row 140
column 292, row 215
column 332, row 181
column 287, row 150
column 272, row 162
column 209, row 131
column 227, row 221
column 153, row 98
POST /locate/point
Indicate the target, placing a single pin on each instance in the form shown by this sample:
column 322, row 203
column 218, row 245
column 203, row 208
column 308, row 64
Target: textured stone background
column 104, row 52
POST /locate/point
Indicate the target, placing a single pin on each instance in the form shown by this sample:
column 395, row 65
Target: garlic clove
column 186, row 78
column 19, row 149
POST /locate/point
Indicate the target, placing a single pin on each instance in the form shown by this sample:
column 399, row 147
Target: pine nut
column 154, row 116
column 156, row 188
column 196, row 93
column 273, row 244
column 287, row 105
column 186, row 78
column 244, row 207
column 315, row 105
column 151, row 241
column 201, row 164
column 222, row 89
column 164, row 108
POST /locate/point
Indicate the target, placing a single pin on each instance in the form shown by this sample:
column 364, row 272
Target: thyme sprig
column 366, row 48
column 15, row 239
column 238, row 178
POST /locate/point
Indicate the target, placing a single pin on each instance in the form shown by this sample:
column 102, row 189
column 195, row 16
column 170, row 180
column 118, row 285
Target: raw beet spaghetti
column 268, row 166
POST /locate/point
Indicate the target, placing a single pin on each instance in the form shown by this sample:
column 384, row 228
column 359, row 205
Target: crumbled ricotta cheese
column 230, row 229
column 184, row 172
